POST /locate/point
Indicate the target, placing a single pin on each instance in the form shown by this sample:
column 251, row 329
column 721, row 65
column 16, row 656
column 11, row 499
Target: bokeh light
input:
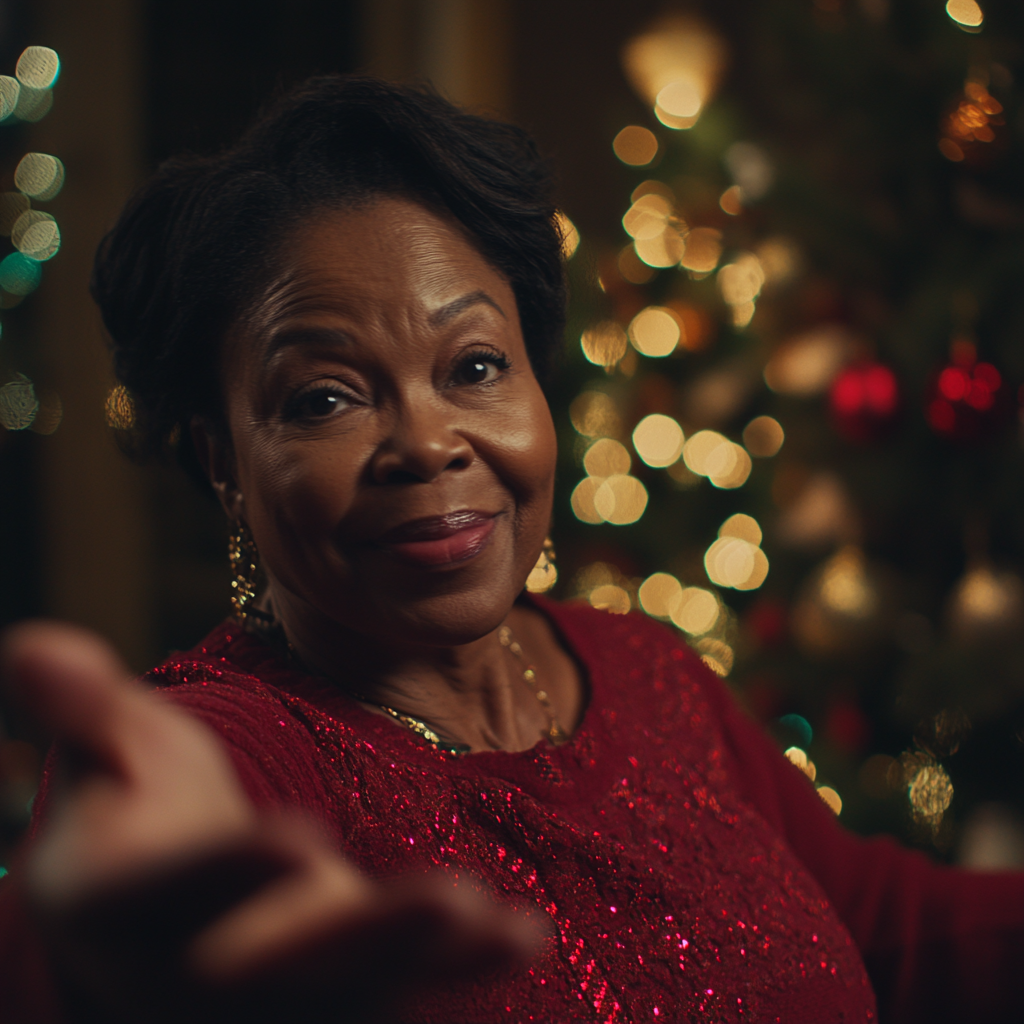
column 36, row 235
column 740, row 283
column 736, row 563
column 39, row 175
column 832, row 798
column 965, row 12
column 751, row 169
column 798, row 757
column 658, row 440
column 594, row 414
column 703, row 250
column 716, row 654
column 569, row 235
column 18, row 403
column 743, row 526
column 930, row 793
column 620, row 500
column 697, row 612
column 38, row 67
column 611, row 598
column 606, row 457
column 731, row 201
column 674, row 66
column 632, row 268
column 10, row 90
column 604, row 344
column 33, row 104
column 806, row 365
column 660, row 594
column 20, row 274
column 664, row 250
column 655, row 331
column 726, row 464
column 763, row 436
column 582, row 500
column 635, row 145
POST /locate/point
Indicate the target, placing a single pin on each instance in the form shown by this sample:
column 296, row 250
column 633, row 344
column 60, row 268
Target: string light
column 594, row 414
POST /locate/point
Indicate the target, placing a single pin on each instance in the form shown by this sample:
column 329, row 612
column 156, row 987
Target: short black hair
column 193, row 246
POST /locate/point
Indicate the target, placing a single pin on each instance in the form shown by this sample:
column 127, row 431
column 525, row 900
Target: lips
column 440, row 540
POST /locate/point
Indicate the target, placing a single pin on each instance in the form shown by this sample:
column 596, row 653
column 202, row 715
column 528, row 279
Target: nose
column 423, row 443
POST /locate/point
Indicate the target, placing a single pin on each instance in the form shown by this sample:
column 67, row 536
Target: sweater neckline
column 261, row 659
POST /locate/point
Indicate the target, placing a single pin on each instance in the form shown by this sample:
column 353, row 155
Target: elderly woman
column 395, row 787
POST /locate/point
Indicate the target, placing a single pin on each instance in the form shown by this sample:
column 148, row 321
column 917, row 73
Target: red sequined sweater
column 690, row 871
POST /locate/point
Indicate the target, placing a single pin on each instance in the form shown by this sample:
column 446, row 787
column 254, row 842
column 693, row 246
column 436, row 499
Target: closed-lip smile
column 440, row 540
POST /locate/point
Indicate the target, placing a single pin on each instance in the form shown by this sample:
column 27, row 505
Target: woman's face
column 393, row 454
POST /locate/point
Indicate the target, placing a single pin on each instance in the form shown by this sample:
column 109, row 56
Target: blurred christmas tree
column 793, row 390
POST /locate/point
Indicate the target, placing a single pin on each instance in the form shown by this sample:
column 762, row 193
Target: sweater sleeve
column 271, row 751
column 940, row 943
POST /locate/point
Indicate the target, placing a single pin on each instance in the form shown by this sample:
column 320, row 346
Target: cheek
column 297, row 495
column 525, row 451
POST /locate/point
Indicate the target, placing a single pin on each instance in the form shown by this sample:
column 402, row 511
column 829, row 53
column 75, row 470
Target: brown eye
column 318, row 404
column 481, row 369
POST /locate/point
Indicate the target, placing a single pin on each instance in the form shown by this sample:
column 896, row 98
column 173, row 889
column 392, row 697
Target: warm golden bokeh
column 635, row 145
column 763, row 436
column 582, row 500
column 655, row 331
column 697, row 612
column 658, row 440
column 594, row 414
column 607, row 457
column 660, row 594
column 703, row 250
column 620, row 500
column 604, row 344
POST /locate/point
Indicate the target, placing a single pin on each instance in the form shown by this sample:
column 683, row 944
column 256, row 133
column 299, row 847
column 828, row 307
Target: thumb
column 71, row 681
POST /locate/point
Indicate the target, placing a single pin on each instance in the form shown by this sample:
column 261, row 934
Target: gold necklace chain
column 556, row 734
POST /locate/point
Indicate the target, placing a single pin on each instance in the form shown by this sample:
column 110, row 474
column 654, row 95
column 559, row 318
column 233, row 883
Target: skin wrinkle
column 383, row 305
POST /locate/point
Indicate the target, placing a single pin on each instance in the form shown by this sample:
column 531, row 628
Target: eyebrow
column 334, row 337
column 456, row 307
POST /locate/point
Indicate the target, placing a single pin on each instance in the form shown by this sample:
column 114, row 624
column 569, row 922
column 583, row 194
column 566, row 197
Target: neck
column 471, row 693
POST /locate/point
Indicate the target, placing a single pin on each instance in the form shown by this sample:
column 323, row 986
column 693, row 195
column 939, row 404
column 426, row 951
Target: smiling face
column 392, row 451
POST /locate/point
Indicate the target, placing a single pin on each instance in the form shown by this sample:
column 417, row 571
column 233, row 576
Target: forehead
column 388, row 255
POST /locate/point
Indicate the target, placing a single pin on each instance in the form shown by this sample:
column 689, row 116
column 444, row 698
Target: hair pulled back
column 195, row 244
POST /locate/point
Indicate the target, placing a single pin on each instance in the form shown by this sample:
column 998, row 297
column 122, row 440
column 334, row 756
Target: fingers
column 324, row 924
column 319, row 894
column 69, row 680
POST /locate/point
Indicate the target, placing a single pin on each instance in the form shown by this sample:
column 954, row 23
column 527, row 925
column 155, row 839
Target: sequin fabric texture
column 669, row 897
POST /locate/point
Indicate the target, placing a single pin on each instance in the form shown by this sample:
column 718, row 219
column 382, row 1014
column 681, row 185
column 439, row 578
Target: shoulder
column 636, row 659
column 239, row 687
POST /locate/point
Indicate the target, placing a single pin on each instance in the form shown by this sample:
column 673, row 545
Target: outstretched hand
column 161, row 891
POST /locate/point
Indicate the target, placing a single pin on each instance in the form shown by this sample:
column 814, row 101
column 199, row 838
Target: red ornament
column 966, row 399
column 865, row 402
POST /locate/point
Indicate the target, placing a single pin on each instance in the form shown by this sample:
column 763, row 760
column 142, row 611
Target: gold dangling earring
column 244, row 559
column 544, row 574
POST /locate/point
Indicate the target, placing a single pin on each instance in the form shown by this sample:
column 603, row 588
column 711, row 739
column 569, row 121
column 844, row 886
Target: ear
column 215, row 454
